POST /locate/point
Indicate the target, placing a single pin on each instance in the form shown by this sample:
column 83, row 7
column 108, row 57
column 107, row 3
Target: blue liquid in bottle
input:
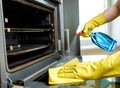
column 103, row 41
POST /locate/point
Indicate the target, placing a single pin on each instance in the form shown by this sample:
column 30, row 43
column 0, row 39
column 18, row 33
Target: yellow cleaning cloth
column 54, row 79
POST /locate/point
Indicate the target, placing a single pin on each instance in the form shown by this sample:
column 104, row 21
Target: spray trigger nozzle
column 79, row 29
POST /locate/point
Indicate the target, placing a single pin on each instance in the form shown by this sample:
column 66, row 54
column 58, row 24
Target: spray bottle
column 100, row 39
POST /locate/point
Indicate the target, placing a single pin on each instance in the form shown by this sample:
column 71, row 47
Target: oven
column 32, row 39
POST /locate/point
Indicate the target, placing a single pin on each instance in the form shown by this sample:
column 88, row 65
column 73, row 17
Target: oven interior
column 29, row 32
column 32, row 29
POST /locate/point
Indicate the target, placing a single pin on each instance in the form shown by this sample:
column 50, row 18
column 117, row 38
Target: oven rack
column 27, row 30
column 26, row 48
column 25, row 59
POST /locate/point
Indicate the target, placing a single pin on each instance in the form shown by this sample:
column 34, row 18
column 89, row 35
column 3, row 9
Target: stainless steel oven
column 32, row 39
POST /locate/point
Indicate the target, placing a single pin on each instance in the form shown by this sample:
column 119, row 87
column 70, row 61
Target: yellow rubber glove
column 94, row 22
column 54, row 79
column 106, row 67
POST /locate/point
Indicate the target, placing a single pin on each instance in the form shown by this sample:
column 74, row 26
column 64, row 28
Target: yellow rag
column 53, row 72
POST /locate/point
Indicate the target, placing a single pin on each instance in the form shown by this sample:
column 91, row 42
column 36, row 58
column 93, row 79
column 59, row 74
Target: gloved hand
column 106, row 67
column 94, row 22
column 54, row 79
column 85, row 71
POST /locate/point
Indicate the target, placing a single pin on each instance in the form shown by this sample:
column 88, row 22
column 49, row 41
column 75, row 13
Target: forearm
column 112, row 12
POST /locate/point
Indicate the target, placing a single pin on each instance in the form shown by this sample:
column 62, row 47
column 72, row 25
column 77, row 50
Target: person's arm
column 112, row 12
column 108, row 15
column 106, row 67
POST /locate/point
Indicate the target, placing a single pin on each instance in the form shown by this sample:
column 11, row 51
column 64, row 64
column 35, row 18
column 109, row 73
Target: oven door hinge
column 9, row 83
column 17, row 84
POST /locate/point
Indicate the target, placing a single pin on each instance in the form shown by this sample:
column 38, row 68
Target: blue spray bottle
column 102, row 40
